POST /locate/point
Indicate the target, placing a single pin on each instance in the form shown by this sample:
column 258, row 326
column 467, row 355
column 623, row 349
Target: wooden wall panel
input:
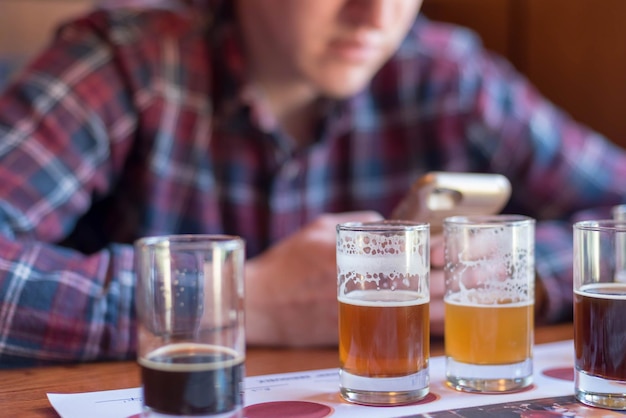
column 490, row 18
column 25, row 25
column 576, row 54
column 574, row 51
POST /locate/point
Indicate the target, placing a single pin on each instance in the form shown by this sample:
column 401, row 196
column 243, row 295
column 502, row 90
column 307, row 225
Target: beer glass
column 191, row 345
column 489, row 302
column 599, row 312
column 619, row 214
column 383, row 295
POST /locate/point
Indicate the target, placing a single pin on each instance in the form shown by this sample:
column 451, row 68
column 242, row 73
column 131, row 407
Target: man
column 270, row 119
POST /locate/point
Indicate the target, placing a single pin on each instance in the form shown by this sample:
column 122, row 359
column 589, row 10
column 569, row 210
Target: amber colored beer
column 600, row 329
column 383, row 333
column 488, row 334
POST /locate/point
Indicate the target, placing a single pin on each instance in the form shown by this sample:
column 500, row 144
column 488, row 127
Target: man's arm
column 64, row 134
column 58, row 306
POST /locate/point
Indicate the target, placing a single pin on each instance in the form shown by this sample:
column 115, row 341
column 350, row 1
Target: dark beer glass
column 599, row 311
column 191, row 345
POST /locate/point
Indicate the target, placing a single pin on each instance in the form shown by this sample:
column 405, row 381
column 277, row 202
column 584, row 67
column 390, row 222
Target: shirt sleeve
column 65, row 125
column 561, row 171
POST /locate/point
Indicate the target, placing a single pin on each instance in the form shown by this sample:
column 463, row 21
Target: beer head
column 388, row 255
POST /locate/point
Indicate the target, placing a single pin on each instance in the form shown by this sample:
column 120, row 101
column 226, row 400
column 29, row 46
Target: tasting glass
column 383, row 294
column 489, row 302
column 599, row 312
column 191, row 343
column 619, row 214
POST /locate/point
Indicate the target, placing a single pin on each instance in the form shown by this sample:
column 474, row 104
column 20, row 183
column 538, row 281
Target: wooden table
column 23, row 392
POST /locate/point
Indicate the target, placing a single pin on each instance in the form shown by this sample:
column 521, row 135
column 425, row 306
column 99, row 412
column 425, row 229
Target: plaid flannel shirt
column 137, row 123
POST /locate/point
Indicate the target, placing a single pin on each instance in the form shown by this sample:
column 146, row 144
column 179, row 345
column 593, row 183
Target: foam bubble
column 384, row 298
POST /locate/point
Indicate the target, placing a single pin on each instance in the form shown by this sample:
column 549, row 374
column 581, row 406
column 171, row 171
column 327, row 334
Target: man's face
column 331, row 46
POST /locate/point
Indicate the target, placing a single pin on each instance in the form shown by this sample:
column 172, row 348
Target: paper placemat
column 314, row 394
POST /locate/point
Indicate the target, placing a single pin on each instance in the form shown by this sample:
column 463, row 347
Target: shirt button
column 291, row 171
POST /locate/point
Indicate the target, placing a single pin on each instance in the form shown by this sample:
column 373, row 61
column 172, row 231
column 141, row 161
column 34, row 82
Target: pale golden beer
column 489, row 302
column 506, row 337
column 383, row 333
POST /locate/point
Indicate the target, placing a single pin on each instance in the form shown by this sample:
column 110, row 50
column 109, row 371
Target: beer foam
column 490, row 266
column 381, row 243
column 386, row 261
column 384, row 298
column 386, row 264
column 495, row 292
column 494, row 302
column 205, row 349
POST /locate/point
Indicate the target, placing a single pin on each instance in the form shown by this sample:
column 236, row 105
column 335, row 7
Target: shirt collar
column 235, row 96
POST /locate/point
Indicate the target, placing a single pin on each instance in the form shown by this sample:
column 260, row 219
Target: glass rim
column 489, row 220
column 618, row 209
column 189, row 241
column 383, row 225
column 600, row 225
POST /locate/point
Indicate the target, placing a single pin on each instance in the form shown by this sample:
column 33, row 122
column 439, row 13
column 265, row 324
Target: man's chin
column 341, row 81
column 341, row 91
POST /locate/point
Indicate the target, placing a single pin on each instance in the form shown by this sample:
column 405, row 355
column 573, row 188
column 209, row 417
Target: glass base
column 384, row 390
column 600, row 392
column 501, row 378
column 149, row 413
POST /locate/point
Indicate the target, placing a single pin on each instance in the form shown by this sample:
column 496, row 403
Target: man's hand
column 291, row 289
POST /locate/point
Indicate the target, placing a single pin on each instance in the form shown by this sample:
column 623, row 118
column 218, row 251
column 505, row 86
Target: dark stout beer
column 192, row 379
column 600, row 329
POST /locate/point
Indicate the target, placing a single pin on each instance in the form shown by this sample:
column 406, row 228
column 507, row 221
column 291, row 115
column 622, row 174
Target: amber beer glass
column 191, row 344
column 599, row 312
column 383, row 295
column 489, row 302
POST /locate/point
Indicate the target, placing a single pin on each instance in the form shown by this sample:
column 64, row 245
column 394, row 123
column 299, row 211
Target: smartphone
column 438, row 195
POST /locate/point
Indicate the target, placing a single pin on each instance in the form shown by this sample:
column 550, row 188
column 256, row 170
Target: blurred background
column 26, row 25
column 572, row 50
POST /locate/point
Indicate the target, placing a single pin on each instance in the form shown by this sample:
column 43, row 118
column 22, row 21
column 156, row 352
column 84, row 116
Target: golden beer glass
column 383, row 295
column 489, row 302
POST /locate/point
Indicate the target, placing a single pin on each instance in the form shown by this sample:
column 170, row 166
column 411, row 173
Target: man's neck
column 296, row 109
